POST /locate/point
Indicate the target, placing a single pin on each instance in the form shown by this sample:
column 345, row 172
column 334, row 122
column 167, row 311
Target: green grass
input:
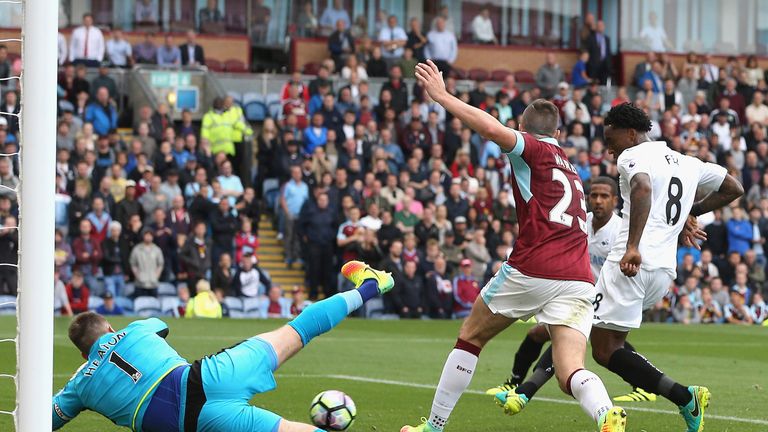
column 730, row 360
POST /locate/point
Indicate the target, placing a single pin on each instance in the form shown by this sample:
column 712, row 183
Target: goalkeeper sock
column 324, row 315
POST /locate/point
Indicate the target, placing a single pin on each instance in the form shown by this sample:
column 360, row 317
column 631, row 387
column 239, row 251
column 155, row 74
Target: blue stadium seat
column 166, row 289
column 275, row 110
column 125, row 303
column 374, row 308
column 129, row 289
column 7, row 305
column 255, row 111
column 147, row 306
column 235, row 306
column 94, row 302
column 169, row 305
column 252, row 307
column 249, row 97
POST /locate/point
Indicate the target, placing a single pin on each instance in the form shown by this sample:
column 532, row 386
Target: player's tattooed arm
column 478, row 120
column 640, row 199
column 729, row 190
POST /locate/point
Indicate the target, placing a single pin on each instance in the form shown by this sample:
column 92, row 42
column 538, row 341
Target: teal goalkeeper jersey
column 121, row 373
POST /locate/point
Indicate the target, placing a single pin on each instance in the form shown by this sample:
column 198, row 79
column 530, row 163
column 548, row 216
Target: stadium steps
column 271, row 255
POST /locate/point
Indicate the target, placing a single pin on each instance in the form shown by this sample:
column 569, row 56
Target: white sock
column 457, row 374
column 588, row 389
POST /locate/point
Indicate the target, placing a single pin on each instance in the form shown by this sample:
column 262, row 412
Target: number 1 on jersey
column 558, row 213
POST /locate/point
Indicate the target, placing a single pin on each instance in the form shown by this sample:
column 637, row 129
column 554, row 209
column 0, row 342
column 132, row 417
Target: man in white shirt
column 575, row 104
column 655, row 36
column 119, row 51
column 62, row 49
column 441, row 46
column 87, row 43
column 757, row 112
column 393, row 39
column 482, row 28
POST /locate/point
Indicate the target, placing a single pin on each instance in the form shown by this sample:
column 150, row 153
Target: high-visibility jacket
column 240, row 126
column 217, row 129
column 203, row 305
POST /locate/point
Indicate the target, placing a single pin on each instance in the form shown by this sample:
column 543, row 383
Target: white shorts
column 555, row 302
column 621, row 300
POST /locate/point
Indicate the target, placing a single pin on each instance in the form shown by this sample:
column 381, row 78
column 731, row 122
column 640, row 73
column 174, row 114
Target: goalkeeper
column 134, row 378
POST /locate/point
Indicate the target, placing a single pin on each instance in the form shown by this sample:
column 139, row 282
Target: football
column 333, row 410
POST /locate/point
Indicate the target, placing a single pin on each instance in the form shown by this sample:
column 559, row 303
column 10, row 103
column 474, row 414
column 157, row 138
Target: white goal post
column 34, row 367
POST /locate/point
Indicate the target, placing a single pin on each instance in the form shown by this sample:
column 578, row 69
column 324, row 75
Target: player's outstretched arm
column 478, row 120
column 729, row 190
column 640, row 199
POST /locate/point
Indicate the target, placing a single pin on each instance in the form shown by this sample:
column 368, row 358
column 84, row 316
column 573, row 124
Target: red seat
column 214, row 65
column 459, row 73
column 477, row 74
column 525, row 77
column 311, row 68
column 499, row 74
column 236, row 66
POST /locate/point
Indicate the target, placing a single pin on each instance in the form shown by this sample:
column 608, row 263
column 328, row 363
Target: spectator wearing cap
column 249, row 280
column 147, row 264
column 736, row 311
column 465, row 289
column 77, row 293
column 102, row 113
column 109, row 307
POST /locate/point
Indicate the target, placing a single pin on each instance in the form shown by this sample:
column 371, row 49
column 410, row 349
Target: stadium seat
column 525, row 77
column 7, row 305
column 214, row 65
column 374, row 308
column 235, row 306
column 499, row 75
column 166, row 289
column 125, row 303
column 251, row 307
column 235, row 66
column 275, row 110
column 130, row 288
column 94, row 302
column 169, row 305
column 311, row 68
column 147, row 306
column 459, row 73
column 65, row 105
column 272, row 98
column 255, row 111
column 237, row 96
column 477, row 74
column 249, row 97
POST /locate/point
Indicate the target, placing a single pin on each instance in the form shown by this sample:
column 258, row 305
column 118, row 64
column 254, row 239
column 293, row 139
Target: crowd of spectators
column 389, row 178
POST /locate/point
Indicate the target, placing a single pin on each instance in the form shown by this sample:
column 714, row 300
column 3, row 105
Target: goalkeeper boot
column 423, row 427
column 512, row 402
column 615, row 420
column 693, row 413
column 357, row 272
column 636, row 395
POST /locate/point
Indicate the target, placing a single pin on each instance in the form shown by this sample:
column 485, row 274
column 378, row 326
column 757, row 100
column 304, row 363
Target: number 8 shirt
column 551, row 212
column 675, row 179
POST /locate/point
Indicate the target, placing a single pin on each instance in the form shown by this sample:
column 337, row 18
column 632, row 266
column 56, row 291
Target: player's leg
column 527, row 353
column 637, row 394
column 320, row 317
column 239, row 416
column 609, row 350
column 480, row 327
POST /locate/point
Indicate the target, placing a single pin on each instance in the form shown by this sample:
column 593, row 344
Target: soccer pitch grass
column 390, row 367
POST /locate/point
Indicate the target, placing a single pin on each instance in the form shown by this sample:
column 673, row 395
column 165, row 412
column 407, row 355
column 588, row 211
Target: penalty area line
column 477, row 392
